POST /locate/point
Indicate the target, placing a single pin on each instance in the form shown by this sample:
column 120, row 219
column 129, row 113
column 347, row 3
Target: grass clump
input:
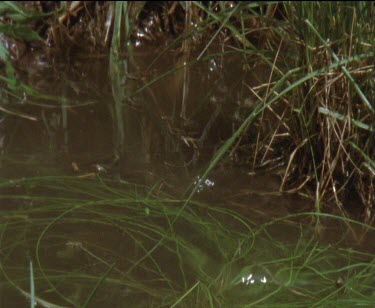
column 209, row 256
column 334, row 112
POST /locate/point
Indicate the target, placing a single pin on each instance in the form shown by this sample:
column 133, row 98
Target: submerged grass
column 214, row 256
column 96, row 241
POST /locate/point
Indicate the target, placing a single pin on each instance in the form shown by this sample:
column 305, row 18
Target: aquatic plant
column 210, row 256
column 273, row 87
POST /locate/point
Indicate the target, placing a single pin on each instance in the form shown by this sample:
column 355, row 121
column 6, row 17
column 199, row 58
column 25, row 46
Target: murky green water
column 125, row 256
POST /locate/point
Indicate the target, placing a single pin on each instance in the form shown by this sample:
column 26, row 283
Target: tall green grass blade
column 100, row 281
column 232, row 28
column 119, row 70
column 180, row 300
column 32, row 286
column 364, row 155
column 34, row 300
column 19, row 32
column 341, row 117
column 10, row 78
column 223, row 24
column 16, row 12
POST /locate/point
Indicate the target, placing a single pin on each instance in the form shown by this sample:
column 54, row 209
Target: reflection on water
column 251, row 279
column 201, row 185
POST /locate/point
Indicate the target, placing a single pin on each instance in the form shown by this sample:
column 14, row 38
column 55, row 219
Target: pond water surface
column 96, row 238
